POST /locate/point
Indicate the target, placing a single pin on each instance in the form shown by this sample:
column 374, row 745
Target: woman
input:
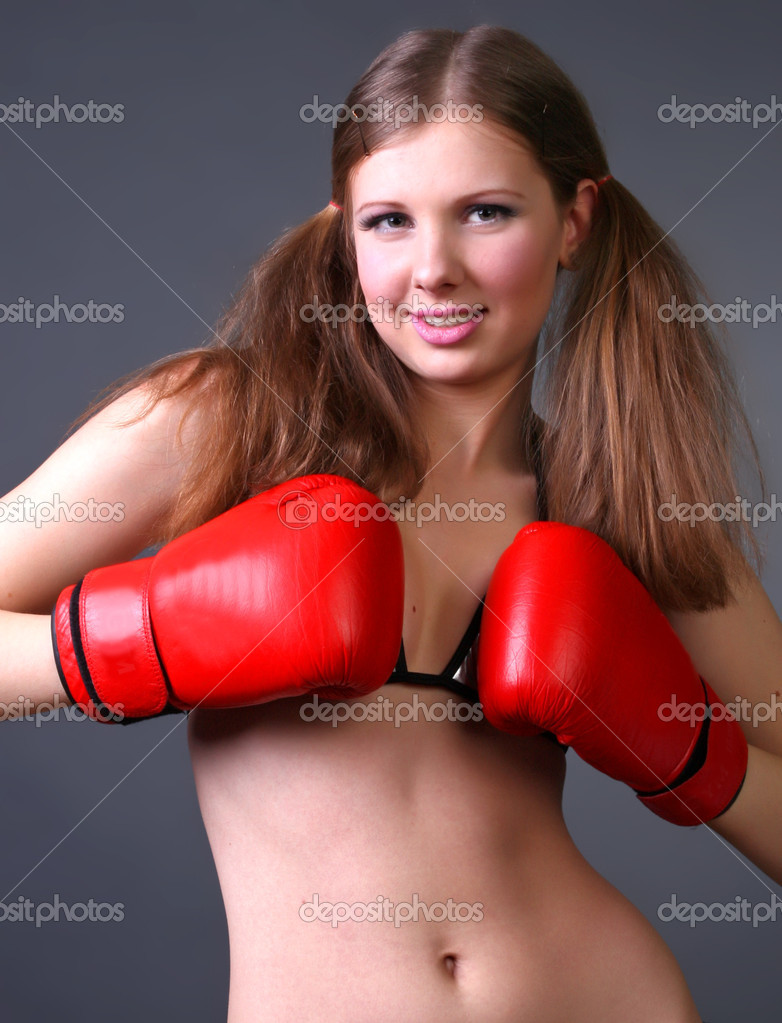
column 502, row 218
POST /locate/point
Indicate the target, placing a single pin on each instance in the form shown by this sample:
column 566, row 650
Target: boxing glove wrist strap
column 713, row 775
column 104, row 648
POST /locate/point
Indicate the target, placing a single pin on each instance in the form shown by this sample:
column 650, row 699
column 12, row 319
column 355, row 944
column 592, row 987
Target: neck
column 475, row 429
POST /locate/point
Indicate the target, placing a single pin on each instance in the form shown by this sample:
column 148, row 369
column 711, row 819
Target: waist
column 406, row 869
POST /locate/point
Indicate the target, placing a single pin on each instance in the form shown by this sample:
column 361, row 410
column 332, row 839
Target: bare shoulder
column 161, row 437
column 97, row 498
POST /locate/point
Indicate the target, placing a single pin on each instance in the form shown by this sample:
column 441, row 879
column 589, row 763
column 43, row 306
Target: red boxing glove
column 294, row 591
column 572, row 643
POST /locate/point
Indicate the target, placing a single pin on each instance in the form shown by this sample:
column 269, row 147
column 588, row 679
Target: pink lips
column 445, row 335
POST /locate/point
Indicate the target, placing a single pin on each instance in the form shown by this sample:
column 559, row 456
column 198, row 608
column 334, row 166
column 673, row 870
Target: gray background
column 210, row 163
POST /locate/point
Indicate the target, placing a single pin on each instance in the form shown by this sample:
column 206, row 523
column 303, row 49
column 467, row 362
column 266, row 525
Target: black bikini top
column 460, row 675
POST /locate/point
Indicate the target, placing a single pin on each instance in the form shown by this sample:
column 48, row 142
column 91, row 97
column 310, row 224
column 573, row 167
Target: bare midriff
column 450, row 831
column 451, row 835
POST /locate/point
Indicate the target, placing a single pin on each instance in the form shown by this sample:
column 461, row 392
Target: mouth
column 450, row 316
column 444, row 325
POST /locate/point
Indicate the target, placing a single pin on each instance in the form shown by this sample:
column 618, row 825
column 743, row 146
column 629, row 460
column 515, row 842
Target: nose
column 436, row 263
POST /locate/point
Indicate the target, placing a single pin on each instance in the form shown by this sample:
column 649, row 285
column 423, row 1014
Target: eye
column 370, row 223
column 493, row 212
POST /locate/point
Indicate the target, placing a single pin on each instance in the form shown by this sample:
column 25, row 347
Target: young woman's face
column 457, row 215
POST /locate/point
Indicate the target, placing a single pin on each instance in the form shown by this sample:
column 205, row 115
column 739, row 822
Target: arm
column 138, row 469
column 574, row 644
column 739, row 650
column 251, row 606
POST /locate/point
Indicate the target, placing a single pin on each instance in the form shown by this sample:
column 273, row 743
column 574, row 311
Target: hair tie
column 602, row 180
column 336, row 205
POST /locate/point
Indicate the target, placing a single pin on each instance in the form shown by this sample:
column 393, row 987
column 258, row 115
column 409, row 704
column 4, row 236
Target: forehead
column 441, row 157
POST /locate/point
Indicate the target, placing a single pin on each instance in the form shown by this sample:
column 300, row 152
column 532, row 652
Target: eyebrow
column 461, row 199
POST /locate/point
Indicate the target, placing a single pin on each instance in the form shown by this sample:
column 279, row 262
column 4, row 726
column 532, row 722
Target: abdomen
column 417, row 871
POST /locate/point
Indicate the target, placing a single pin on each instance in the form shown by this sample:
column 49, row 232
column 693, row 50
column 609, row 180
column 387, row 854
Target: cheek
column 523, row 276
column 378, row 275
column 522, row 266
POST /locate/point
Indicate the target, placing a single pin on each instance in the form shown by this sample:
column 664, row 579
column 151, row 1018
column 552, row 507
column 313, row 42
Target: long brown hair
column 635, row 410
